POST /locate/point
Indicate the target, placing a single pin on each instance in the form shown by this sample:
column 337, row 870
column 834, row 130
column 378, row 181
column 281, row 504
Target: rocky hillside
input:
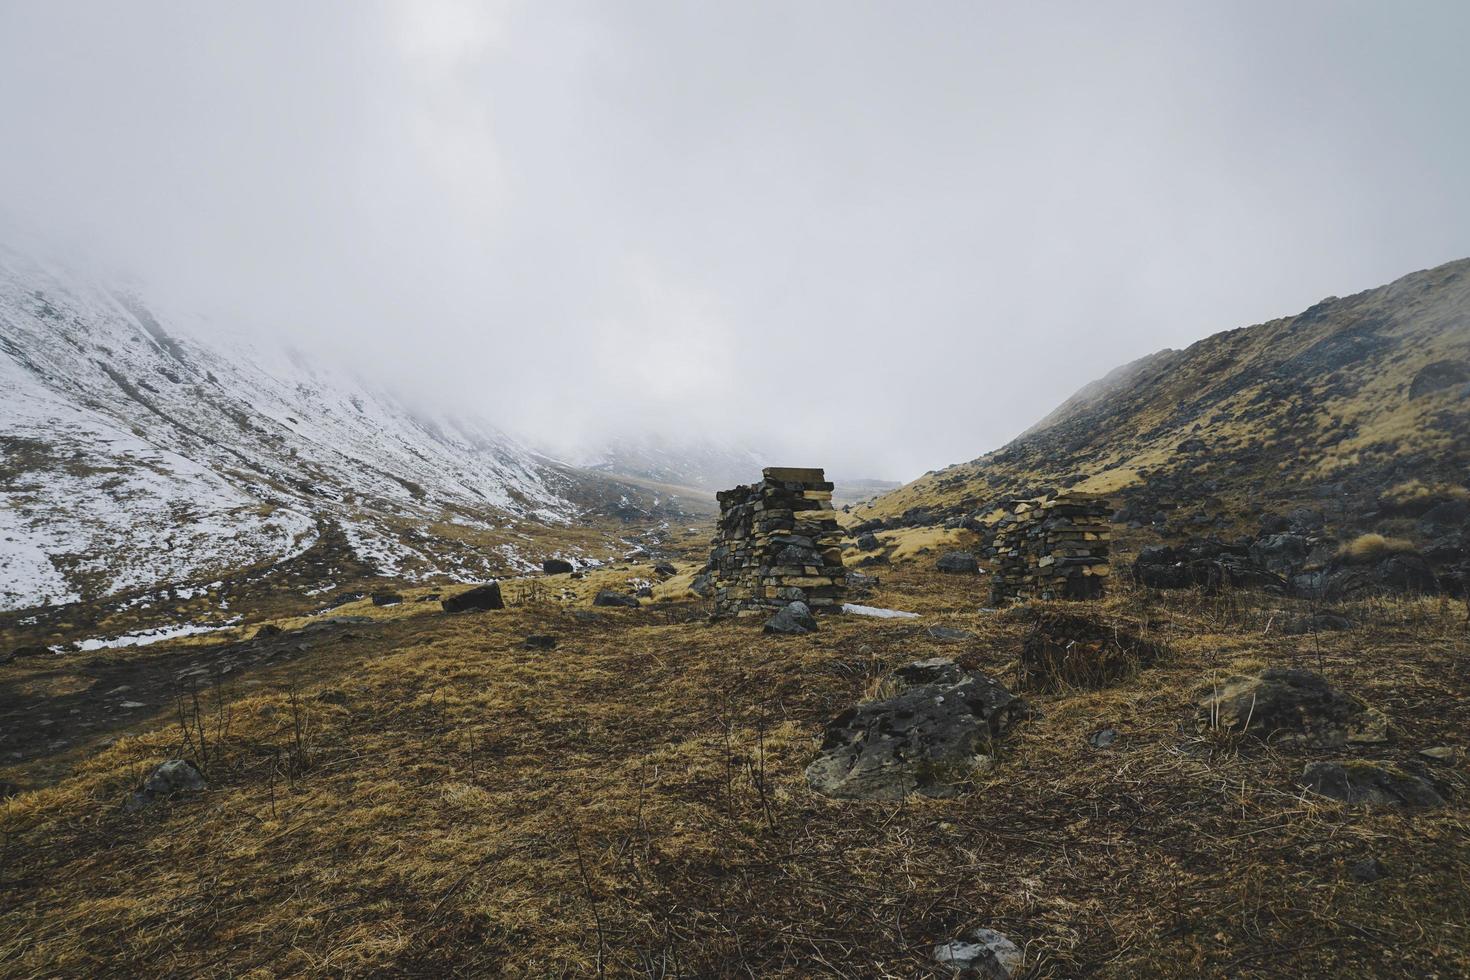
column 138, row 454
column 1358, row 407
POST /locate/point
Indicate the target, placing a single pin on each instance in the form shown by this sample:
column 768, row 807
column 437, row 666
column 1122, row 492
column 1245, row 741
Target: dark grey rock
column 1280, row 552
column 958, row 563
column 611, row 599
column 32, row 650
column 1291, row 707
column 792, row 619
column 167, row 779
column 984, row 953
column 386, row 598
column 556, row 566
column 540, row 641
column 948, row 634
column 932, row 727
column 480, row 597
column 665, row 570
column 1408, row 573
column 1369, row 783
column 267, row 631
column 1368, row 870
column 1103, row 738
column 868, row 542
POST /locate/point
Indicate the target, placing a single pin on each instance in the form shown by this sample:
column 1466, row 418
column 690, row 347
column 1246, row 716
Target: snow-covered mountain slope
column 137, row 453
column 699, row 464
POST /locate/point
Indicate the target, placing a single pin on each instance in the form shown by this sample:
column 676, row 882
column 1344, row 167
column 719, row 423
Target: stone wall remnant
column 778, row 542
column 1052, row 547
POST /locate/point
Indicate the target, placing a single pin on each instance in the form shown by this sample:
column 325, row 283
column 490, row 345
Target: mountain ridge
column 1335, row 404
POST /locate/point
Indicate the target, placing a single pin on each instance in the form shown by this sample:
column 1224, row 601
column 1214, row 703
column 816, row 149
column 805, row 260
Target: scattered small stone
column 948, row 634
column 480, row 597
column 386, row 598
column 1440, row 753
column 644, row 592
column 985, row 953
column 958, row 563
column 556, row 566
column 792, row 619
column 607, row 597
column 167, row 779
column 1359, row 783
column 1103, row 738
column 1367, row 870
column 540, row 641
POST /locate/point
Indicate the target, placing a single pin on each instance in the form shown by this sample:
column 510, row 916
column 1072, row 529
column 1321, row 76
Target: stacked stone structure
column 1052, row 547
column 778, row 542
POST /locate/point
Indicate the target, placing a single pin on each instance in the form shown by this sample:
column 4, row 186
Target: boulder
column 607, row 597
column 984, row 953
column 1291, row 707
column 1406, row 573
column 31, row 650
column 868, row 542
column 1202, row 563
column 386, row 598
column 556, row 566
column 167, row 779
column 792, row 619
column 932, row 727
column 665, row 570
column 1369, row 783
column 540, row 641
column 703, row 585
column 958, row 563
column 480, row 597
column 1280, row 553
column 267, row 631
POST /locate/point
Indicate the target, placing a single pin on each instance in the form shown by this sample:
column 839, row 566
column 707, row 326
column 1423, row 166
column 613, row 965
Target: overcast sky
column 880, row 237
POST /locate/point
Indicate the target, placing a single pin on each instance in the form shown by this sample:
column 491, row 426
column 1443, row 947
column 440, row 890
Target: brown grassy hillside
column 1335, row 405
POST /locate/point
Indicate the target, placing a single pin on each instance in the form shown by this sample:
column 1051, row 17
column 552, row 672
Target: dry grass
column 430, row 798
column 1367, row 548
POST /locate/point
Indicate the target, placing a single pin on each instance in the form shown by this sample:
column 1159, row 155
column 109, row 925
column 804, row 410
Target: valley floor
column 415, row 793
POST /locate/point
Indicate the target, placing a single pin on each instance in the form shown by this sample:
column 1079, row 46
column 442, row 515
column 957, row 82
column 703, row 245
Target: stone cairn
column 1052, row 547
column 778, row 542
